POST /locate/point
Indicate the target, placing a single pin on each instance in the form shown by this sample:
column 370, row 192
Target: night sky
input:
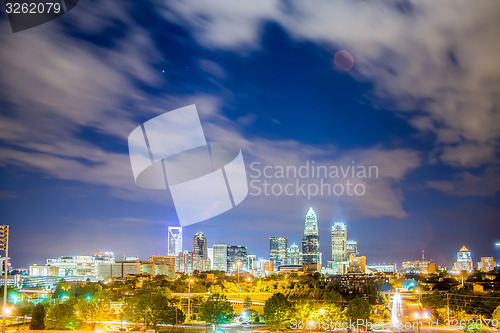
column 421, row 102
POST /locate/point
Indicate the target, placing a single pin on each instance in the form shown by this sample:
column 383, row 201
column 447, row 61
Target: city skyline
column 175, row 239
column 464, row 260
column 399, row 139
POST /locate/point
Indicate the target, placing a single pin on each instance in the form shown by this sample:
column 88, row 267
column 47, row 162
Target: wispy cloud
column 71, row 84
column 434, row 64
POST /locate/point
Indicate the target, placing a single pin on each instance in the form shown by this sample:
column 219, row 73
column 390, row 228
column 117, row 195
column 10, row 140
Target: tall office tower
column 236, row 254
column 220, row 257
column 352, row 249
column 339, row 242
column 277, row 250
column 293, row 255
column 174, row 240
column 310, row 240
column 464, row 261
column 252, row 262
column 211, row 257
column 184, row 262
column 200, row 252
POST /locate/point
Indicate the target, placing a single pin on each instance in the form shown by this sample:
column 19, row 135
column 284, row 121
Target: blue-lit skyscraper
column 310, row 240
column 174, row 240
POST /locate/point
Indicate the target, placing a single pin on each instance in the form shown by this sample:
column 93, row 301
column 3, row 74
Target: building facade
column 200, row 252
column 82, row 265
column 310, row 240
column 486, row 264
column 184, row 262
column 339, row 242
column 252, row 262
column 294, row 256
column 418, row 266
column 277, row 250
column 464, row 261
column 162, row 260
column 235, row 255
column 220, row 257
column 384, row 268
column 46, row 270
column 351, row 249
column 118, row 269
column 174, row 240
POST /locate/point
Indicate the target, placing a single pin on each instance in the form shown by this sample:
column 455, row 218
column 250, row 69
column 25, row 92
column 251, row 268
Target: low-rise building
column 384, row 268
column 36, row 270
column 486, row 264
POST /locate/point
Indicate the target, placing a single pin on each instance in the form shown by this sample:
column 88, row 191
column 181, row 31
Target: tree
column 38, row 318
column 332, row 296
column 216, row 289
column 101, row 302
column 154, row 307
column 247, row 302
column 303, row 310
column 496, row 313
column 358, row 309
column 25, row 309
column 217, row 310
column 276, row 310
column 331, row 312
column 62, row 317
column 231, row 287
column 159, row 311
column 61, row 289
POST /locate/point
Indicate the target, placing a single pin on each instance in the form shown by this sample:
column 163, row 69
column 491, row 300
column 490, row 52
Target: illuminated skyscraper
column 277, row 250
column 464, row 261
column 311, row 226
column 211, row 257
column 174, row 240
column 184, row 262
column 293, row 255
column 310, row 240
column 352, row 248
column 235, row 255
column 339, row 242
column 220, row 257
column 251, row 262
column 200, row 252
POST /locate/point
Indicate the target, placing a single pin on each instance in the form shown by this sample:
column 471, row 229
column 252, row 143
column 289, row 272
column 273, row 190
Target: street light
column 6, row 312
column 238, row 264
column 189, row 300
column 417, row 315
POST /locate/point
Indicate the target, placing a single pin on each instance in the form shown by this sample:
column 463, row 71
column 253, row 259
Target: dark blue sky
column 421, row 103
